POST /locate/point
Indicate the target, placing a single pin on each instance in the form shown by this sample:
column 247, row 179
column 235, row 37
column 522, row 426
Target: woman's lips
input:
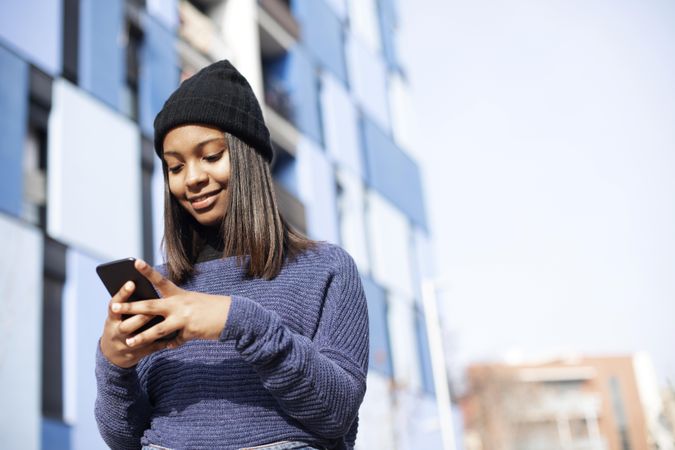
column 204, row 201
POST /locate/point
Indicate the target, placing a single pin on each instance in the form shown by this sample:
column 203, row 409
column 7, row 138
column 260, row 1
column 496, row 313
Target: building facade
column 81, row 82
column 590, row 403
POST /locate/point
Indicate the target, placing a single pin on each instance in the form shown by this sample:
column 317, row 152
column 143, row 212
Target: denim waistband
column 283, row 445
column 279, row 445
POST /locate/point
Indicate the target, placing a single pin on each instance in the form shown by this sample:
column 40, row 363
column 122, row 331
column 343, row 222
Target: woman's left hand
column 193, row 314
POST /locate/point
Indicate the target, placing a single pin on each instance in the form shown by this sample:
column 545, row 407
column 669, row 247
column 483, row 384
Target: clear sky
column 546, row 132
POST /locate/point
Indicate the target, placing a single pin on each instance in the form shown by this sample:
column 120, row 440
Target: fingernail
column 116, row 307
column 141, row 264
column 130, row 341
column 129, row 285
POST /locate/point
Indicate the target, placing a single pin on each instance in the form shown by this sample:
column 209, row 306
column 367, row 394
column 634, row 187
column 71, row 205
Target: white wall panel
column 376, row 419
column 389, row 239
column 368, row 79
column 94, row 177
column 404, row 342
column 340, row 123
column 423, row 260
column 416, row 422
column 364, row 22
column 402, row 115
column 157, row 211
column 351, row 208
column 238, row 20
column 316, row 182
column 20, row 335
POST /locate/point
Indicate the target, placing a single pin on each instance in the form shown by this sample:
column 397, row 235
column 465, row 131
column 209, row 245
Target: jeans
column 281, row 445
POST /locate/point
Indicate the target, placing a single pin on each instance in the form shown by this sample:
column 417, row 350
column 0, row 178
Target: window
column 52, row 331
column 292, row 91
column 619, row 412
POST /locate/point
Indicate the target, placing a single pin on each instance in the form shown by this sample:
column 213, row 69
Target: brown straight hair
column 252, row 224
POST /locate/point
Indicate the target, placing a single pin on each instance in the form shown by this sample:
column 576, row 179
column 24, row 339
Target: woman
column 272, row 343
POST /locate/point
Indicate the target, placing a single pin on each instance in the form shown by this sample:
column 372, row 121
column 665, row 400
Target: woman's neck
column 211, row 246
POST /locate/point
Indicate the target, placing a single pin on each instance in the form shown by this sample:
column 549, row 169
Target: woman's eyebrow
column 196, row 147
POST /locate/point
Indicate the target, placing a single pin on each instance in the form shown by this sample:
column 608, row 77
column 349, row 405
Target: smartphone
column 115, row 273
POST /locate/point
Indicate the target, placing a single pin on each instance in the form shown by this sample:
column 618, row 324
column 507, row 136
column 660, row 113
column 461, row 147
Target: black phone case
column 115, row 273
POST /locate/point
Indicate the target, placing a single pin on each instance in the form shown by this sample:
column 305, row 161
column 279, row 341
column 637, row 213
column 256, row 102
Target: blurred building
column 590, row 403
column 80, row 84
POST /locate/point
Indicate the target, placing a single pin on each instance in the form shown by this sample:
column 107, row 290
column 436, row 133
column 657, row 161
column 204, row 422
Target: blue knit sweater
column 290, row 364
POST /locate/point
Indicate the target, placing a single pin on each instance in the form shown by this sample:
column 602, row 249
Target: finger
column 165, row 287
column 134, row 355
column 149, row 307
column 120, row 296
column 150, row 335
column 133, row 323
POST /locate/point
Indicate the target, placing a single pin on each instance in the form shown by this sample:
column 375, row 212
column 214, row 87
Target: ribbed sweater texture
column 290, row 364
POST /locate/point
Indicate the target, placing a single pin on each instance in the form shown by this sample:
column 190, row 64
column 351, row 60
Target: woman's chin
column 208, row 221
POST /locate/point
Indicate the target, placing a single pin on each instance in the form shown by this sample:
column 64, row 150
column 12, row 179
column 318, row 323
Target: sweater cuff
column 245, row 317
column 110, row 371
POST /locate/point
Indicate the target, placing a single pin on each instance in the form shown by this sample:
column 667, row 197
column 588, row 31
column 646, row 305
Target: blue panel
column 14, row 111
column 424, row 353
column 101, row 57
column 389, row 8
column 380, row 350
column 285, row 172
column 85, row 310
column 339, row 7
column 294, row 75
column 393, row 173
column 322, row 34
column 55, row 435
column 387, row 15
column 159, row 75
column 33, row 28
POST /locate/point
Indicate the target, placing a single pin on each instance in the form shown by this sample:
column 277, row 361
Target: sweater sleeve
column 321, row 381
column 122, row 408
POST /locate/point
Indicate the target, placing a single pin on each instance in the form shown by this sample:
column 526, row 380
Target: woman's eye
column 213, row 158
column 175, row 169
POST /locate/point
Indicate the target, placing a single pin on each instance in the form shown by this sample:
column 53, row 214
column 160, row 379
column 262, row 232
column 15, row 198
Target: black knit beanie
column 218, row 96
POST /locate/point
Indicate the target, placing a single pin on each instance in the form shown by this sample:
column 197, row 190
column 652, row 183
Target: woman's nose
column 195, row 176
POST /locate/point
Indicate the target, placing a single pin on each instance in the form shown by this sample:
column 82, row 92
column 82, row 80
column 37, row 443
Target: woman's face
column 198, row 163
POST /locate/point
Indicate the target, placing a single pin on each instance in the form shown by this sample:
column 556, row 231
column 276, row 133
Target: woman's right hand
column 116, row 331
